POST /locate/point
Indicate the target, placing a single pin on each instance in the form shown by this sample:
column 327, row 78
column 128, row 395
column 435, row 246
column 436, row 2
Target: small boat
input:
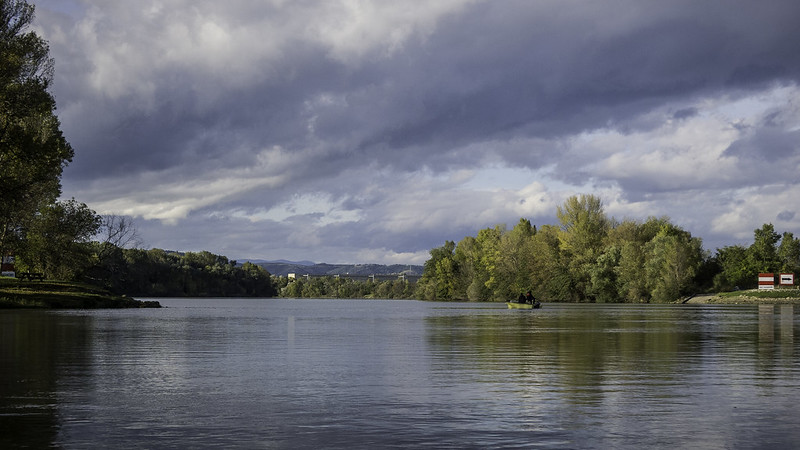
column 515, row 305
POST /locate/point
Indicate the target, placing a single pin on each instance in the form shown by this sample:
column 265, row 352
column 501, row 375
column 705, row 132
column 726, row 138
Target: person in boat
column 529, row 298
column 521, row 298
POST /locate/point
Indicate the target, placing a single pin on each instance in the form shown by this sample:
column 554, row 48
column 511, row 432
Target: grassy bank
column 62, row 295
column 755, row 296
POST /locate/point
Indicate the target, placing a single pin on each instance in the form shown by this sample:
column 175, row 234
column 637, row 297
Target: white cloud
column 753, row 207
column 389, row 127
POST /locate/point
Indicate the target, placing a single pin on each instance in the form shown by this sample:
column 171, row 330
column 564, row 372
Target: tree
column 469, row 284
column 514, row 261
column 736, row 270
column 584, row 227
column 789, row 253
column 57, row 242
column 631, row 238
column 603, row 276
column 33, row 151
column 488, row 241
column 119, row 231
column 549, row 273
column 439, row 274
column 764, row 253
column 673, row 259
column 584, row 223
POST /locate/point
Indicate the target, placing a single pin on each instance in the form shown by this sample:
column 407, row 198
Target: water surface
column 282, row 373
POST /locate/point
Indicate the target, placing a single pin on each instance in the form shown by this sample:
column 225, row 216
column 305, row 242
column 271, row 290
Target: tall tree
column 471, row 278
column 632, row 237
column 514, row 260
column 764, row 252
column 789, row 253
column 736, row 269
column 673, row 259
column 584, row 228
column 549, row 276
column 439, row 274
column 33, row 151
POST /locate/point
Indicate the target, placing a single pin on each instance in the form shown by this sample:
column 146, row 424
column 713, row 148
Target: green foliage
column 158, row 273
column 57, row 240
column 589, row 257
column 740, row 266
column 603, row 275
column 673, row 259
column 33, row 151
column 789, row 253
column 763, row 253
column 584, row 229
column 342, row 287
column 439, row 274
column 736, row 271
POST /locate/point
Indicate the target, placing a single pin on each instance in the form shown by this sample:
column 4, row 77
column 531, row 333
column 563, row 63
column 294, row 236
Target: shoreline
column 16, row 294
column 744, row 299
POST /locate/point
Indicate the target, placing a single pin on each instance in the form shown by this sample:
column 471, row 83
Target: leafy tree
column 584, row 228
column 514, row 261
column 470, row 283
column 585, row 225
column 736, row 269
column 33, row 151
column 603, row 276
column 789, row 253
column 57, row 242
column 673, row 261
column 488, row 242
column 439, row 274
column 549, row 274
column 631, row 238
column 764, row 253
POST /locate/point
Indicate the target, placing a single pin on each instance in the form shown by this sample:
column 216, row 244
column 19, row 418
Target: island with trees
column 590, row 257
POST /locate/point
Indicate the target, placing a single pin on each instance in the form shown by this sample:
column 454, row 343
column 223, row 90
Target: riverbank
column 752, row 296
column 62, row 295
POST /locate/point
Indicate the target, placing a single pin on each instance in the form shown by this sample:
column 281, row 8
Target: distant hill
column 283, row 268
column 281, row 261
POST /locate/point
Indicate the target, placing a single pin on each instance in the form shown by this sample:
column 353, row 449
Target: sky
column 353, row 131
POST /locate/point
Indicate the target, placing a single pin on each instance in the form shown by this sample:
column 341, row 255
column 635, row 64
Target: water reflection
column 766, row 324
column 35, row 348
column 628, row 370
column 787, row 329
column 338, row 374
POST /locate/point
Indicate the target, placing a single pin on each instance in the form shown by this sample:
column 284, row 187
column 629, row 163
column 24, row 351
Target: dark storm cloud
column 220, row 113
column 495, row 70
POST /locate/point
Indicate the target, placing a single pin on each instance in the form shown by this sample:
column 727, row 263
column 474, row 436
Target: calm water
column 364, row 374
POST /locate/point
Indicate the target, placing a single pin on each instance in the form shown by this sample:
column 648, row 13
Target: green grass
column 61, row 295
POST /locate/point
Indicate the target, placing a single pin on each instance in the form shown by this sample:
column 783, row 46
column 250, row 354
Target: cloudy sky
column 350, row 131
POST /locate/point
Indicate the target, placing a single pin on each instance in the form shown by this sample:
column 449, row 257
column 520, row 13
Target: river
column 287, row 373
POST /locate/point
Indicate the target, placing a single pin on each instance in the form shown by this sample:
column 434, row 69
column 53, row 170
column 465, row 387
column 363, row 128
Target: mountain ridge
column 284, row 268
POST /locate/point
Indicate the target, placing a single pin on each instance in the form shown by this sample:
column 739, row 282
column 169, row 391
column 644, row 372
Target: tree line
column 69, row 241
column 590, row 257
column 343, row 287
